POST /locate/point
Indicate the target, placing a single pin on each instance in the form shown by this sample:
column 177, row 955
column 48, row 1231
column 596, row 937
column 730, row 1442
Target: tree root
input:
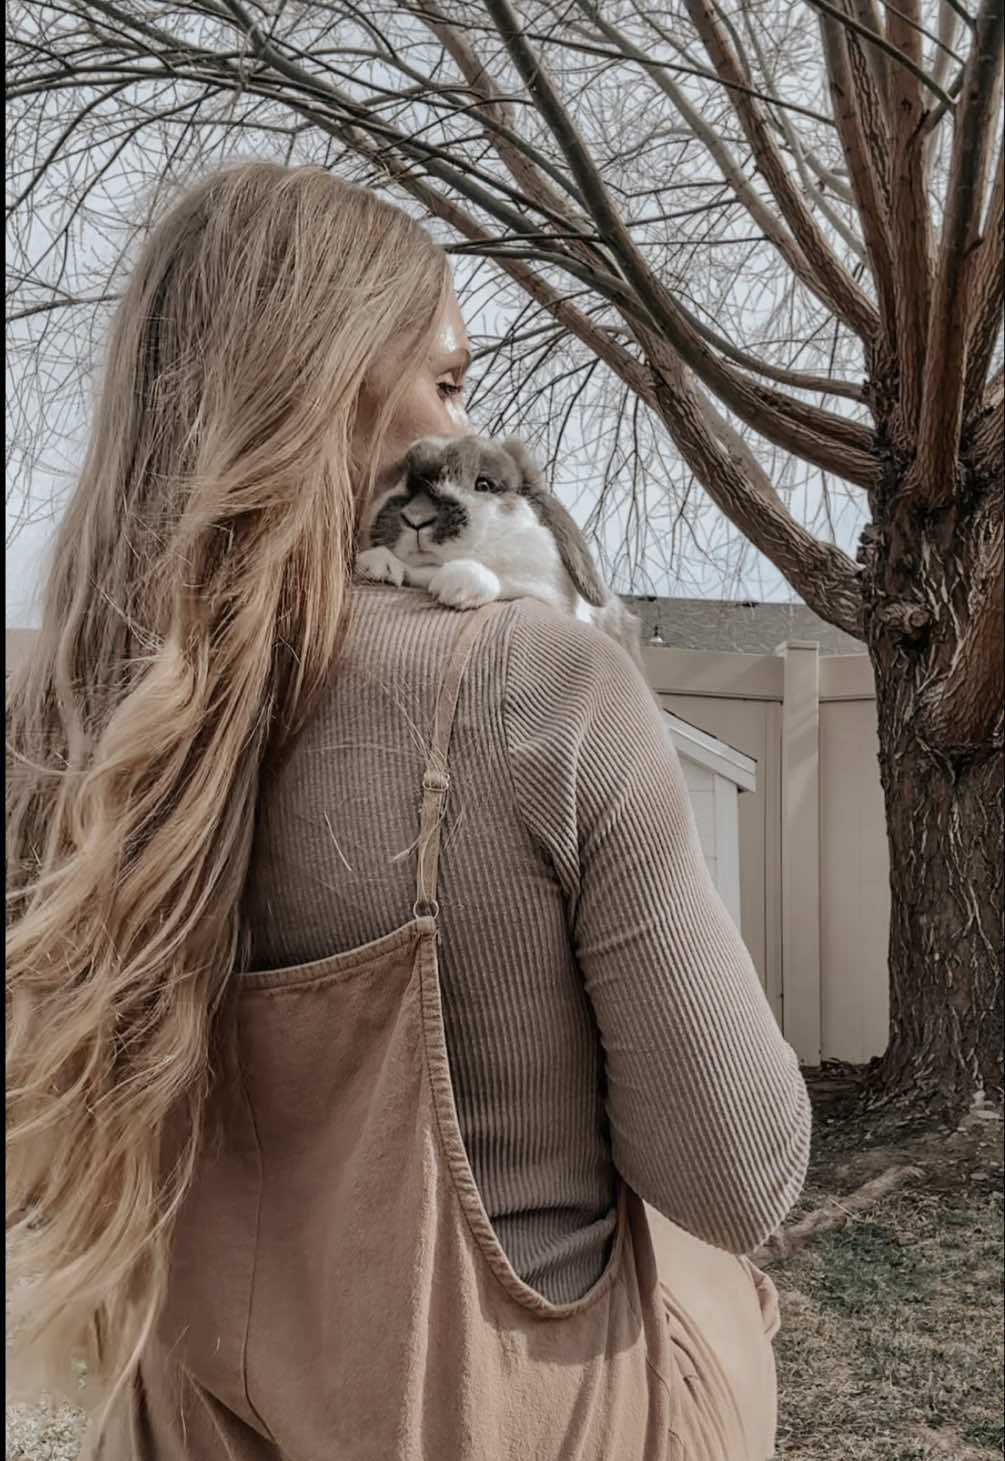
column 834, row 1214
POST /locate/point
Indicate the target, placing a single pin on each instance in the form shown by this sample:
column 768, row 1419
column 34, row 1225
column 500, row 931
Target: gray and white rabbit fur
column 470, row 520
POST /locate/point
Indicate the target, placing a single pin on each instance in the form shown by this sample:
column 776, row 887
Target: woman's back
column 598, row 1009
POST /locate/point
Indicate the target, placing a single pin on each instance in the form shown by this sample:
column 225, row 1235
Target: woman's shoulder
column 540, row 644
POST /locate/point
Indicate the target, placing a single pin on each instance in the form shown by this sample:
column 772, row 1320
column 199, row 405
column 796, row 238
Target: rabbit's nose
column 417, row 527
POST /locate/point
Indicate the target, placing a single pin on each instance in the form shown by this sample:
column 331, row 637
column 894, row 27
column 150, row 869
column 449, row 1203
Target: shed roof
column 711, row 752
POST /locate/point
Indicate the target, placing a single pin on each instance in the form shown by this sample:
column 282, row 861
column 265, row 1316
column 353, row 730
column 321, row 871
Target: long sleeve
column 709, row 1116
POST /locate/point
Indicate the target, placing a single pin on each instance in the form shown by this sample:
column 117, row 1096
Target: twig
column 834, row 1214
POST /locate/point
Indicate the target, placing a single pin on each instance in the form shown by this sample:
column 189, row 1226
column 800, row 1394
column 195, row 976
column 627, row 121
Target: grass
column 891, row 1343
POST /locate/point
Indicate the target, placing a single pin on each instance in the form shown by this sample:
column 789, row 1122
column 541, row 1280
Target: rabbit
column 470, row 520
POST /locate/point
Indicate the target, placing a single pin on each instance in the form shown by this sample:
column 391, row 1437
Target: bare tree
column 771, row 234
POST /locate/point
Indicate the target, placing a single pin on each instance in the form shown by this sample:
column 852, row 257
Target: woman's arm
column 709, row 1116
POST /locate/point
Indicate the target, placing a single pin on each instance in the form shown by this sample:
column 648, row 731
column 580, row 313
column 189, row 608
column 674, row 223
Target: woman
column 364, row 972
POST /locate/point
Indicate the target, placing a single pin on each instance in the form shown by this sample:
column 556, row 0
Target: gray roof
column 745, row 628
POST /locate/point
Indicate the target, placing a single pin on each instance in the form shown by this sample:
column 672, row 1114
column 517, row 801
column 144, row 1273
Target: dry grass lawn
column 892, row 1341
column 891, row 1347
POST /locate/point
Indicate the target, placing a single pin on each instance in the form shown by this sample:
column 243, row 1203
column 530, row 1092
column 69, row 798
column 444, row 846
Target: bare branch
column 943, row 45
column 974, row 135
column 855, row 122
column 911, row 225
column 831, row 442
column 874, row 57
column 953, row 298
column 987, row 288
column 949, row 23
column 528, row 171
column 806, row 162
column 69, row 302
column 935, row 118
column 742, row 188
column 904, row 58
column 825, row 385
column 653, row 65
column 962, row 12
column 847, row 300
column 821, row 573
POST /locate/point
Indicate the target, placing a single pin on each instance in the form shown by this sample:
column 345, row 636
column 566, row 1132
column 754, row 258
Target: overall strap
column 436, row 780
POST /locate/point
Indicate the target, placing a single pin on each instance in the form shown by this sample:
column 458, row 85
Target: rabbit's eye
column 486, row 484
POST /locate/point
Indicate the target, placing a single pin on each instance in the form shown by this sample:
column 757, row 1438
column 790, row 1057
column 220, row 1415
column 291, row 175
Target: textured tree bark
column 945, row 830
column 941, row 766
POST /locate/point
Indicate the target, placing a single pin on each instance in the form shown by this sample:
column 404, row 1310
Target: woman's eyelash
column 450, row 388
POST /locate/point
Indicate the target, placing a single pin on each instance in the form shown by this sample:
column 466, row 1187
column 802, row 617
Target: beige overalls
column 337, row 1292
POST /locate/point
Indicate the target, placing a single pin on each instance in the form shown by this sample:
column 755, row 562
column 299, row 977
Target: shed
column 716, row 775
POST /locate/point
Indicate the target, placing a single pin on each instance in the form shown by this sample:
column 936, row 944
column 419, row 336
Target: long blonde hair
column 196, row 602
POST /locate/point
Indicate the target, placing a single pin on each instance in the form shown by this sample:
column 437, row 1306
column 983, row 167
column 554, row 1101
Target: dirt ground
column 891, row 1342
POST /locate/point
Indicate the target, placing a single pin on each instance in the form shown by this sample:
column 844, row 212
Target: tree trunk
column 941, row 767
column 945, row 831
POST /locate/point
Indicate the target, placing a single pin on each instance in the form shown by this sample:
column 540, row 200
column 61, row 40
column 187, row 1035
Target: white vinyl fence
column 813, row 863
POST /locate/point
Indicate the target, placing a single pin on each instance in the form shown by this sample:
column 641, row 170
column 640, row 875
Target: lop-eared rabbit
column 470, row 520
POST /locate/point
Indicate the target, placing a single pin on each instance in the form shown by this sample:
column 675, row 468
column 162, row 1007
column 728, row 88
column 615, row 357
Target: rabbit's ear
column 530, row 472
column 572, row 549
column 571, row 544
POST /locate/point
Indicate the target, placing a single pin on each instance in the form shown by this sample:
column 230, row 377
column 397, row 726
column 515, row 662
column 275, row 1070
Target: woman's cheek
column 456, row 413
column 426, row 413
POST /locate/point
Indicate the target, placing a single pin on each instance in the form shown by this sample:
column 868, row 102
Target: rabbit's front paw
column 381, row 566
column 464, row 584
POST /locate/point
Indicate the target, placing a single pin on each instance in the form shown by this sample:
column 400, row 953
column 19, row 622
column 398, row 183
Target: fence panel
column 814, row 871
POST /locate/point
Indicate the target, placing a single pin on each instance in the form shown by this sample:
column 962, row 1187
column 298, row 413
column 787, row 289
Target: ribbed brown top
column 601, row 1009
